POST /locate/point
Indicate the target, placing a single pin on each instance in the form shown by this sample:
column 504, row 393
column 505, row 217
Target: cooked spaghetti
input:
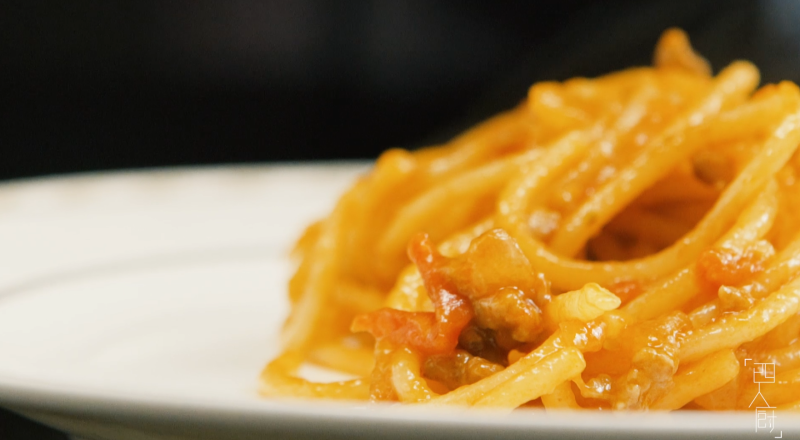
column 624, row 242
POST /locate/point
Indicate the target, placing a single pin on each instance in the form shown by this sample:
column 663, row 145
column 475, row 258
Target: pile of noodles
column 623, row 242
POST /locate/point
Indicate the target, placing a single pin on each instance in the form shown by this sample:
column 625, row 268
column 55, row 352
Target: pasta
column 623, row 242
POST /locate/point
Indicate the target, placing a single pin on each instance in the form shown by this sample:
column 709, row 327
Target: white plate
column 143, row 305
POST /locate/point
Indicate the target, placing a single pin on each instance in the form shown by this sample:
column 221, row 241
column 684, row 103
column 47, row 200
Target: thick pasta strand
column 543, row 378
column 675, row 291
column 733, row 330
column 705, row 376
column 562, row 397
column 406, row 378
column 655, row 161
column 429, row 209
column 622, row 242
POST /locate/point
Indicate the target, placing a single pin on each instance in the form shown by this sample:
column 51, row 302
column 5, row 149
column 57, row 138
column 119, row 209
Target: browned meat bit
column 458, row 369
column 512, row 310
column 653, row 347
column 503, row 287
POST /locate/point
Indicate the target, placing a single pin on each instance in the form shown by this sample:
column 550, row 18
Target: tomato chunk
column 727, row 267
column 426, row 332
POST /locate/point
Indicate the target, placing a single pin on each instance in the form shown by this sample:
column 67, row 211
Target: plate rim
column 24, row 395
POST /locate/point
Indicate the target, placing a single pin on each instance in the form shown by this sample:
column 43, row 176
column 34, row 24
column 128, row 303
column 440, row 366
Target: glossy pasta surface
column 623, row 242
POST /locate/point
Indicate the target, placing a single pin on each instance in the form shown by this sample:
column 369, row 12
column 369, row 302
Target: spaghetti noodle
column 623, row 242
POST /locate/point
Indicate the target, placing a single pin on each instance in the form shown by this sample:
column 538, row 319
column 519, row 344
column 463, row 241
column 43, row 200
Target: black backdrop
column 108, row 85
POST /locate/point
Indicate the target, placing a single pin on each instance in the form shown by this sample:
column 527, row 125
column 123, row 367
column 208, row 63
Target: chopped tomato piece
column 426, row 332
column 728, row 267
column 626, row 290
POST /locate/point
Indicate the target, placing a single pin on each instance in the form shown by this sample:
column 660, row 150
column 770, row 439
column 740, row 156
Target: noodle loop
column 622, row 242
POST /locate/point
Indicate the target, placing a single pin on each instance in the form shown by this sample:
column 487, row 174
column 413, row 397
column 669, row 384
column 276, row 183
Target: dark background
column 108, row 85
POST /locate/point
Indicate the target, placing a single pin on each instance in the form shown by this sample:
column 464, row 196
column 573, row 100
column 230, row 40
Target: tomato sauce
column 426, row 332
